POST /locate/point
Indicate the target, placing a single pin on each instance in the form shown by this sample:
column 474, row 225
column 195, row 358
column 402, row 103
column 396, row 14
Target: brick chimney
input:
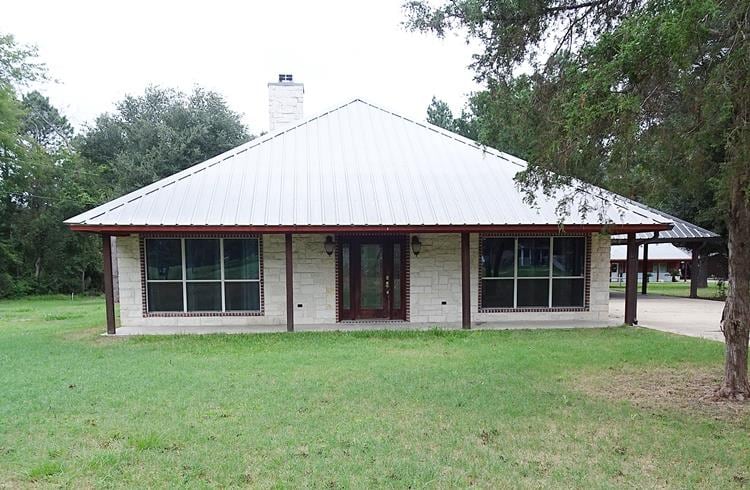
column 284, row 102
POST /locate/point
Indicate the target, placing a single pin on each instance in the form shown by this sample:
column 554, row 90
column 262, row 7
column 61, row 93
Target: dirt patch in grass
column 686, row 388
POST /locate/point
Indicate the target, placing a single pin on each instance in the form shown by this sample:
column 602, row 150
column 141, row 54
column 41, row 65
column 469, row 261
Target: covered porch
column 303, row 288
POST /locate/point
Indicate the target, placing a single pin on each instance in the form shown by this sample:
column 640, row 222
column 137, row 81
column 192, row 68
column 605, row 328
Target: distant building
column 664, row 259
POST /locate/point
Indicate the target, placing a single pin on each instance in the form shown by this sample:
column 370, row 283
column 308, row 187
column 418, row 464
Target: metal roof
column 356, row 165
column 656, row 251
column 682, row 231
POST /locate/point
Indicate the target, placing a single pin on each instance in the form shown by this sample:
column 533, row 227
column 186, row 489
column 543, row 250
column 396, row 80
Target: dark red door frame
column 355, row 311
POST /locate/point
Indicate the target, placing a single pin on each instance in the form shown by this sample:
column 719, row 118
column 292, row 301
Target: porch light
column 329, row 245
column 416, row 245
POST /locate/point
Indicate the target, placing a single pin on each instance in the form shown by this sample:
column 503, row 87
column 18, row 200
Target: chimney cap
column 285, row 77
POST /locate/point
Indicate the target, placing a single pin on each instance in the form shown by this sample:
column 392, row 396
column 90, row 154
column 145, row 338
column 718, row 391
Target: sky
column 99, row 51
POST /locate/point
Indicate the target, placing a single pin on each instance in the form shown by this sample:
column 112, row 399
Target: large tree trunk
column 735, row 322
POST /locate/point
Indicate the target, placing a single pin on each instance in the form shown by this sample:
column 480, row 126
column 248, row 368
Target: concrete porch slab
column 357, row 326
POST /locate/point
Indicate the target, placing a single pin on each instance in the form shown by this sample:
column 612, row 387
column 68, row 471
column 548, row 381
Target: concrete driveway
column 685, row 316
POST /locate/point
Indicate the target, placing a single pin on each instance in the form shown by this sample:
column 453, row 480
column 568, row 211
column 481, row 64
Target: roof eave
column 457, row 228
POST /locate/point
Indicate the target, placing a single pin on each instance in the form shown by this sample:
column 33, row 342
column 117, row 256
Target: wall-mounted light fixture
column 329, row 245
column 416, row 245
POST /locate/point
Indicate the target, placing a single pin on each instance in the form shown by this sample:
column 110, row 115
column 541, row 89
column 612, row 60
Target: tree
column 440, row 114
column 632, row 94
column 43, row 122
column 163, row 131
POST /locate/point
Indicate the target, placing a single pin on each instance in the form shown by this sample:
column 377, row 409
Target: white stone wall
column 285, row 101
column 314, row 280
column 435, row 279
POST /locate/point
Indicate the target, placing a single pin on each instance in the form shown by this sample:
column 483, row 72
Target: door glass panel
column 371, row 272
column 396, row 279
column 346, row 290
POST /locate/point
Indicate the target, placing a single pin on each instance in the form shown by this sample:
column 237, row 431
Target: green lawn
column 673, row 289
column 562, row 408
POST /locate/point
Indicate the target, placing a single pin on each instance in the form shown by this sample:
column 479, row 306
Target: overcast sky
column 340, row 49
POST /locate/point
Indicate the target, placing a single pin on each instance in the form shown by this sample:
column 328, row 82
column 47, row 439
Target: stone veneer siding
column 435, row 279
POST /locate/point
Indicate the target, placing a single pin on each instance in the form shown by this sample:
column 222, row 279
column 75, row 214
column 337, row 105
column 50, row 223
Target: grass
column 368, row 409
column 679, row 288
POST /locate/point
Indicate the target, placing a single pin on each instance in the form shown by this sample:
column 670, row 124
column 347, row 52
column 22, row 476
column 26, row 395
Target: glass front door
column 371, row 278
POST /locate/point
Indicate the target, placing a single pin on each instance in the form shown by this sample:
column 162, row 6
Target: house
column 357, row 215
column 664, row 260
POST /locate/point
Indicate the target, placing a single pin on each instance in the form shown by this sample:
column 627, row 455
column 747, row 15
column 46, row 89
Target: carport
column 683, row 234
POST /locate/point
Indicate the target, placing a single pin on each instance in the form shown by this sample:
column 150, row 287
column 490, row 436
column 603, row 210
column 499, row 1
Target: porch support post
column 109, row 295
column 631, row 281
column 465, row 282
column 694, row 271
column 289, row 284
column 644, row 285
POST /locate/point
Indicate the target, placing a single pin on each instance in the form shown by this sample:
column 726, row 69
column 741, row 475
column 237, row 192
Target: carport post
column 694, row 270
column 631, row 281
column 644, row 285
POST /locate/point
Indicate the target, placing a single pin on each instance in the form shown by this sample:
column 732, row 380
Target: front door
column 371, row 278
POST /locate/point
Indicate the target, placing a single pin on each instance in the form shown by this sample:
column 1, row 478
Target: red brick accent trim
column 169, row 314
column 544, row 309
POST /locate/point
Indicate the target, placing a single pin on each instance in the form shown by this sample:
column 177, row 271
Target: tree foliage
column 47, row 174
column 647, row 98
column 159, row 133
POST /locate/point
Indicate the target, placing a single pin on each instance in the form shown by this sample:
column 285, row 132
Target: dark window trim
column 144, row 302
column 541, row 309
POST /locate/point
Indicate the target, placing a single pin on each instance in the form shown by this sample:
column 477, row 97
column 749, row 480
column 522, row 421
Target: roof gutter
column 524, row 228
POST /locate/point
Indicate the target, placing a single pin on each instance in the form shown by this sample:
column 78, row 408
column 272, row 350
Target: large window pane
column 532, row 292
column 204, row 296
column 567, row 292
column 164, row 259
column 202, row 259
column 497, row 293
column 165, row 296
column 497, row 257
column 568, row 256
column 533, row 257
column 241, row 259
column 242, row 296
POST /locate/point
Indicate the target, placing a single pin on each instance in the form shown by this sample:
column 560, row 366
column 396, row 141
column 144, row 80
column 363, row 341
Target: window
column 202, row 275
column 533, row 272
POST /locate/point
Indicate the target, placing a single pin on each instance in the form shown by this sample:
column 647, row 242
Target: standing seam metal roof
column 356, row 165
